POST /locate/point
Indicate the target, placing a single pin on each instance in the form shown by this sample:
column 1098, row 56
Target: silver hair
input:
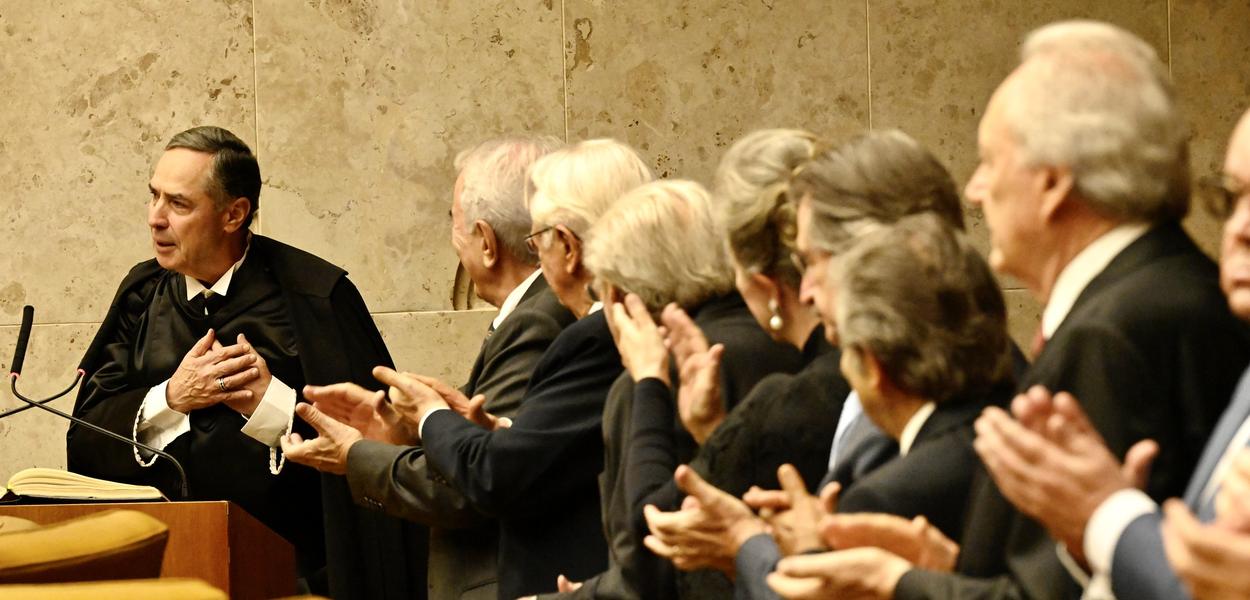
column 659, row 242
column 751, row 206
column 1096, row 98
column 575, row 185
column 921, row 299
column 494, row 177
column 874, row 178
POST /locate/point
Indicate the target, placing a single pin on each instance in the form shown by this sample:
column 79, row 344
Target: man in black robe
column 203, row 353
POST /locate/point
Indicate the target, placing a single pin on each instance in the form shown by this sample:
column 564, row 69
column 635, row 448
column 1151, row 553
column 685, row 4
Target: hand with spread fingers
column 915, row 540
column 210, row 374
column 410, row 397
column 473, row 409
column 364, row 410
column 699, row 404
column 793, row 514
column 859, row 573
column 328, row 451
column 707, row 531
column 639, row 340
column 1232, row 503
column 1210, row 559
column 1053, row 465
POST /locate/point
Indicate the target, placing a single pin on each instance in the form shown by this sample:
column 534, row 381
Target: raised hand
column 473, row 409
column 861, row 573
column 639, row 340
column 916, row 540
column 1211, row 560
column 1059, row 470
column 362, row 409
column 699, row 404
column 706, row 532
column 793, row 514
column 209, row 374
column 411, row 398
column 328, row 451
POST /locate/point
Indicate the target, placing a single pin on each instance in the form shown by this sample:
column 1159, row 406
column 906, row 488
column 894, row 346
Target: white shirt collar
column 912, row 428
column 195, row 288
column 1082, row 269
column 594, row 308
column 514, row 298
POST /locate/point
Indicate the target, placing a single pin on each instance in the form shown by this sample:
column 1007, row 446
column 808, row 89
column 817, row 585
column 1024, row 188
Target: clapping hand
column 699, row 403
column 793, row 514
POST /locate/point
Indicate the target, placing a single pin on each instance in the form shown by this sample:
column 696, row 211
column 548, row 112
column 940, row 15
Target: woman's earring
column 774, row 322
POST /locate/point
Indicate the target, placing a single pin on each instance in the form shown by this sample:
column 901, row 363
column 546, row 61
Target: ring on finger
column 221, row 384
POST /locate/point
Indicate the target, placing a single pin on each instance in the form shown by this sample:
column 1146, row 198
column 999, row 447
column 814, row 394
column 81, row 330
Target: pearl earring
column 774, row 322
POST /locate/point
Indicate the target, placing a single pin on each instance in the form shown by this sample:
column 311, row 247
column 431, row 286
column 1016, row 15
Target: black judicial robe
column 310, row 324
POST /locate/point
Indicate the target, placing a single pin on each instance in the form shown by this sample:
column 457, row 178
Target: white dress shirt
column 912, row 429
column 158, row 425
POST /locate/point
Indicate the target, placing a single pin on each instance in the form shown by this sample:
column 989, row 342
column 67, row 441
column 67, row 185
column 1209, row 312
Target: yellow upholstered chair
column 113, row 544
column 162, row 589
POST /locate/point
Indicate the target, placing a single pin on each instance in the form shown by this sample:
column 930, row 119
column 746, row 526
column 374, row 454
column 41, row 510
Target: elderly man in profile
column 202, row 353
column 489, row 225
column 1083, row 180
column 1055, row 467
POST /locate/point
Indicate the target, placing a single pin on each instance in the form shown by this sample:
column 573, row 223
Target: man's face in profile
column 188, row 230
column 1235, row 248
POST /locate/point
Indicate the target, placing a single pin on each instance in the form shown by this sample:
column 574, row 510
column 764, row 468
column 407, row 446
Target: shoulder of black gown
column 132, row 284
column 298, row 271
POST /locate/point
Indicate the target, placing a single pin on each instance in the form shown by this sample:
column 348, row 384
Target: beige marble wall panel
column 1210, row 54
column 92, row 91
column 1024, row 314
column 441, row 344
column 683, row 80
column 362, row 109
column 934, row 68
column 35, row 438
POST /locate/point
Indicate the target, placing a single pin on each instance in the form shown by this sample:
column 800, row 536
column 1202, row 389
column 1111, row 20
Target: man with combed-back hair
column 204, row 353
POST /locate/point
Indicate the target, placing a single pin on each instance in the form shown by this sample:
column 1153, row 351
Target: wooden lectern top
column 217, row 542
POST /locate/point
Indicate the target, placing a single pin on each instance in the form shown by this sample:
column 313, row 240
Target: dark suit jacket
column 395, row 479
column 369, row 555
column 750, row 356
column 1152, row 351
column 539, row 476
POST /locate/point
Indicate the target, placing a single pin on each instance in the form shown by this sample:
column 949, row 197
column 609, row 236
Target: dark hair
column 235, row 173
column 876, row 177
column 920, row 298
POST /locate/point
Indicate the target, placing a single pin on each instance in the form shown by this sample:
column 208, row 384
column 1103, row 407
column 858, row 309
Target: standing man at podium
column 202, row 352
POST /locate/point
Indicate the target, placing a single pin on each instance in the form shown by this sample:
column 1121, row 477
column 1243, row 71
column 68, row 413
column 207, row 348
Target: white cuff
column 1108, row 523
column 157, row 424
column 274, row 416
column 421, row 425
column 1071, row 566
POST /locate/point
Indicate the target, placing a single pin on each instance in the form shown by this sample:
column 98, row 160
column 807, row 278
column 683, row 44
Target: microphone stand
column 28, row 316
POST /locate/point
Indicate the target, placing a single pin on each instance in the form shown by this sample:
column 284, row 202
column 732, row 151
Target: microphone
column 23, row 338
column 19, row 356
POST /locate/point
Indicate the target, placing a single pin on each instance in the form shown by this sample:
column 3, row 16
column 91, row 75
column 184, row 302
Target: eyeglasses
column 1221, row 193
column 532, row 243
column 531, row 240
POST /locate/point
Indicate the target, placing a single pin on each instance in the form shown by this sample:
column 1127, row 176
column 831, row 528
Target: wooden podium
column 217, row 542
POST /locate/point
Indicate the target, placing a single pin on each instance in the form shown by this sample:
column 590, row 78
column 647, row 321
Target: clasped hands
column 345, row 413
column 645, row 347
column 873, row 550
column 210, row 373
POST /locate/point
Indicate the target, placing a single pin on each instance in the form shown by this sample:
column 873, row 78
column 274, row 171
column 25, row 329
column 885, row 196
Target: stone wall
column 356, row 109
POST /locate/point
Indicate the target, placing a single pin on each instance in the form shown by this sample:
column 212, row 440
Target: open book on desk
column 60, row 485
